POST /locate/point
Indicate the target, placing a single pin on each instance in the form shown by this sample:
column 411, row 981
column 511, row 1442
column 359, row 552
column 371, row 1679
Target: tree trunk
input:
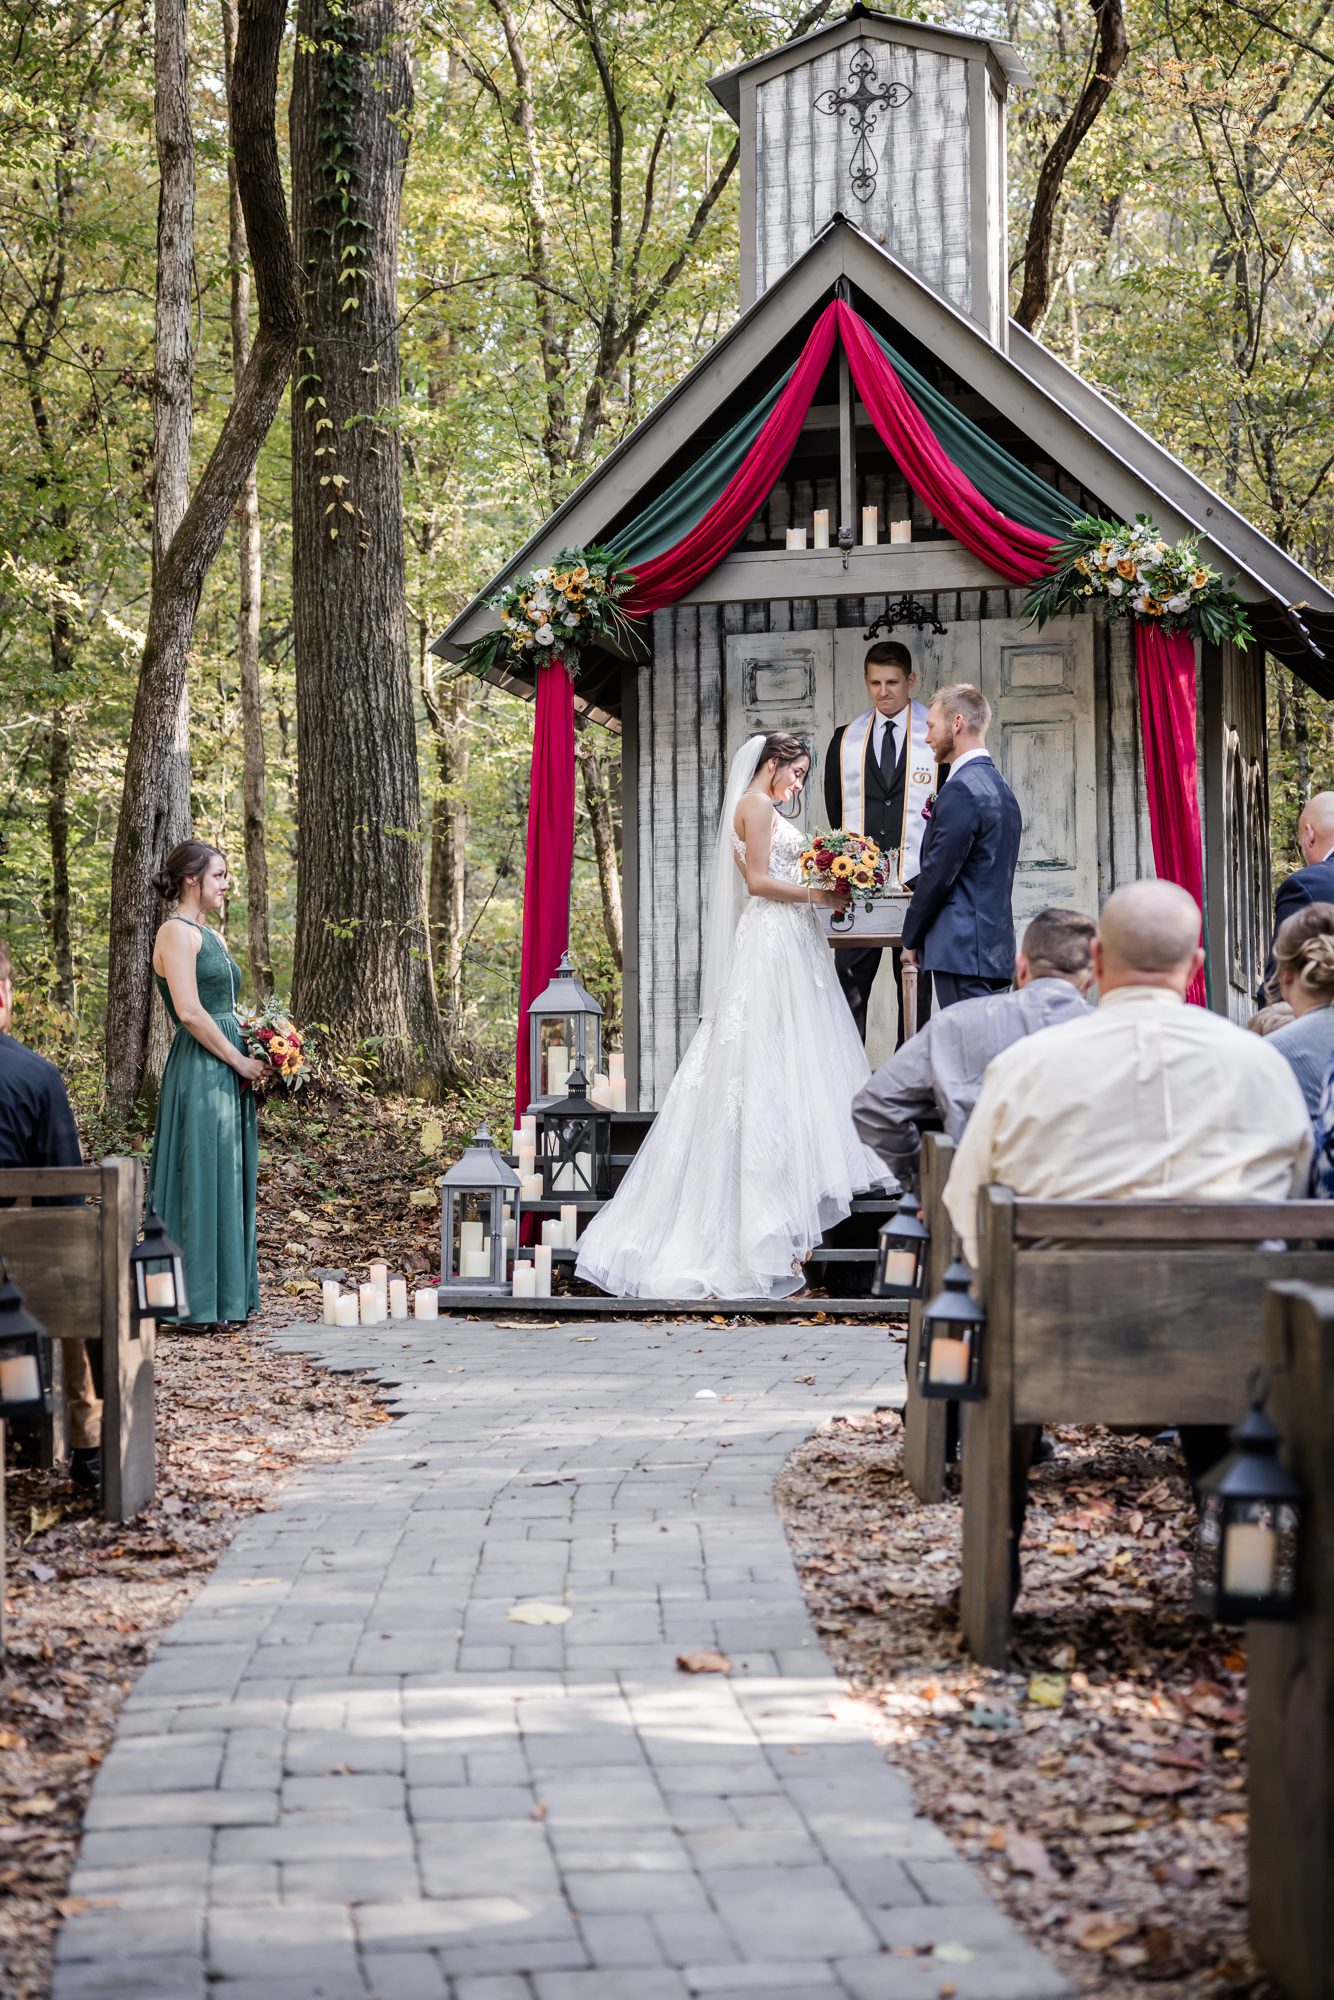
column 597, row 797
column 449, row 709
column 152, row 751
column 248, row 601
column 363, row 966
column 58, row 766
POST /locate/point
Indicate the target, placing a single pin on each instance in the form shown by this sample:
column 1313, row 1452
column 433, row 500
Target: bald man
column 1143, row 1099
column 1311, row 883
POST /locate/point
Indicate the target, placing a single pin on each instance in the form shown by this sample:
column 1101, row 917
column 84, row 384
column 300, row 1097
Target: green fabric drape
column 1004, row 481
column 669, row 519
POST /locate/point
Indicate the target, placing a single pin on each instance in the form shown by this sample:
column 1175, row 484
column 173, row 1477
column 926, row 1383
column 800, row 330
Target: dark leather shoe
column 85, row 1468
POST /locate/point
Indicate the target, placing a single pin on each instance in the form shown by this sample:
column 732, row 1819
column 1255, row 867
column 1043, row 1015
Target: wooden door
column 1040, row 686
column 784, row 680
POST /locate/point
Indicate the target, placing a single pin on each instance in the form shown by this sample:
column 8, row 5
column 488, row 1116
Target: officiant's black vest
column 882, row 811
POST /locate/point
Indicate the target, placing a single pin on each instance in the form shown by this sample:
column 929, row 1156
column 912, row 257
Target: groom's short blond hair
column 962, row 698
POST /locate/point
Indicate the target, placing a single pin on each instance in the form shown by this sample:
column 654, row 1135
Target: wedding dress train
column 753, row 1155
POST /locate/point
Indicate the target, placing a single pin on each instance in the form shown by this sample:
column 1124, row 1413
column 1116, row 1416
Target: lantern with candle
column 474, row 1196
column 901, row 1260
column 158, row 1270
column 564, row 1035
column 575, row 1139
column 25, row 1356
column 949, row 1355
column 1246, row 1546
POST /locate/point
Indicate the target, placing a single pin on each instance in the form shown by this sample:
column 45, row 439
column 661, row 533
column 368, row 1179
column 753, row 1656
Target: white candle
column 426, row 1303
column 528, row 1127
column 398, row 1298
column 563, row 1182
column 382, row 1301
column 618, row 1093
column 820, row 538
column 379, row 1276
column 796, row 538
column 19, row 1379
column 569, row 1225
column 870, row 526
column 616, row 1068
column 600, row 1095
column 1249, row 1553
column 900, row 531
column 345, row 1312
column 949, row 1360
column 370, row 1305
column 516, row 1140
column 553, row 1231
column 476, row 1263
column 558, row 1069
column 511, row 1233
column 530, row 1187
column 160, row 1289
column 525, row 1279
column 542, row 1270
column 330, row 1291
column 470, row 1235
column 901, row 1268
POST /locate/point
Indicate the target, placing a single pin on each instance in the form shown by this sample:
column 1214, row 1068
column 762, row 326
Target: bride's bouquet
column 270, row 1037
column 851, row 864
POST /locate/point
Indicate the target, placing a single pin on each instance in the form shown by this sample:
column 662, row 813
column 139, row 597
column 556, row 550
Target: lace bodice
column 786, row 847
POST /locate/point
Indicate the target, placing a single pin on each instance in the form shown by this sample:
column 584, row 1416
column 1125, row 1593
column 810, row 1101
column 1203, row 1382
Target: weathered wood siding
column 1236, row 824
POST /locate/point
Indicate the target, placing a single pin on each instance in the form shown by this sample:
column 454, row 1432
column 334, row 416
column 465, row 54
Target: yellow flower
column 842, row 867
column 863, row 878
column 1081, row 565
column 870, row 850
column 1126, row 568
column 808, row 858
column 1199, row 578
column 562, row 582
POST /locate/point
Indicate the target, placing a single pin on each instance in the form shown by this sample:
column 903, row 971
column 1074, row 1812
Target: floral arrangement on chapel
column 1136, row 572
column 850, row 863
column 269, row 1036
column 554, row 613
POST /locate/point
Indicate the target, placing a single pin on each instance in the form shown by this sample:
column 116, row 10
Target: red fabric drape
column 546, row 875
column 1166, row 666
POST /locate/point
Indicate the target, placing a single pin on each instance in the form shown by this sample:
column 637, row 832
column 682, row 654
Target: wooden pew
column 1290, row 1674
column 925, row 1418
column 73, row 1267
column 1138, row 1313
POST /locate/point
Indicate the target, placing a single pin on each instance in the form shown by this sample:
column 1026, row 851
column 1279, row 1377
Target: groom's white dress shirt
column 1145, row 1099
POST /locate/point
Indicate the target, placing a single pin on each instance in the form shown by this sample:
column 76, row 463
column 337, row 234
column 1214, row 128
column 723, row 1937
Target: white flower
column 541, row 576
column 1115, row 587
column 1177, row 604
column 545, row 636
column 541, row 602
column 570, row 619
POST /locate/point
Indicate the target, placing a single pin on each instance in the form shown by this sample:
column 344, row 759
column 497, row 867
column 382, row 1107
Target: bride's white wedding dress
column 753, row 1155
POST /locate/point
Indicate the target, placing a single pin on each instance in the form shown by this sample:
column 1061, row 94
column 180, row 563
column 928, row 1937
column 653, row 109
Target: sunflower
column 808, row 858
column 863, row 878
column 842, row 867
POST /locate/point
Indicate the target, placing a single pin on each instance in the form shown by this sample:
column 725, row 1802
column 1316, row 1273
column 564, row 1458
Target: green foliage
column 1132, row 572
column 554, row 614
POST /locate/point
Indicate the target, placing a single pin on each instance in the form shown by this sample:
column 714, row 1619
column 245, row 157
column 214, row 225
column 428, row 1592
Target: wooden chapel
column 873, row 169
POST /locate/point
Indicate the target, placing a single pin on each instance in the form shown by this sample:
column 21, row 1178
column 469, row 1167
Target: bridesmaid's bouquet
column 270, row 1037
column 850, row 863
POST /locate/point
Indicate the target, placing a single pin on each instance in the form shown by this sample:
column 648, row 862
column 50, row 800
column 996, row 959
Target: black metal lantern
column 158, row 1270
column 475, row 1195
column 1246, row 1546
column 900, row 1265
column 25, row 1356
column 949, row 1350
column 564, row 1035
column 574, row 1145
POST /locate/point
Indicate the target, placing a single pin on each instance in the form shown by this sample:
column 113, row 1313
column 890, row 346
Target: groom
column 878, row 775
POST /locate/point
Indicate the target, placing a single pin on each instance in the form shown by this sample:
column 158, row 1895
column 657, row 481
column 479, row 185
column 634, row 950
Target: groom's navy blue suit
column 960, row 922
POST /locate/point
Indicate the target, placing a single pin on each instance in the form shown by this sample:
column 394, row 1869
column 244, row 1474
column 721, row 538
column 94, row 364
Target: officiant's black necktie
column 888, row 758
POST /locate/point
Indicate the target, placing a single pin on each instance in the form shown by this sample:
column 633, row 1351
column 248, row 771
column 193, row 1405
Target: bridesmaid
column 205, row 1145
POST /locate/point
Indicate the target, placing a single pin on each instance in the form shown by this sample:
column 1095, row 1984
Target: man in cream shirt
column 1144, row 1099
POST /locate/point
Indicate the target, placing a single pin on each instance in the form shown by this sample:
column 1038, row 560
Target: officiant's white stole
column 919, row 781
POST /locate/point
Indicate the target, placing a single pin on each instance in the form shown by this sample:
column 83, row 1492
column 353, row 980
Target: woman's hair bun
column 186, row 863
column 162, row 882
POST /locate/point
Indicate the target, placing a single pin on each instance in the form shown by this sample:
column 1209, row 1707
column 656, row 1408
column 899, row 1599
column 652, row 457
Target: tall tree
column 152, row 758
column 363, row 964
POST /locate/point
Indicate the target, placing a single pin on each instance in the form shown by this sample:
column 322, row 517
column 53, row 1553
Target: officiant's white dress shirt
column 1145, row 1099
column 898, row 723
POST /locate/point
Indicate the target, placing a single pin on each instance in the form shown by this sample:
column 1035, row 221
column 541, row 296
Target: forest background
column 567, row 247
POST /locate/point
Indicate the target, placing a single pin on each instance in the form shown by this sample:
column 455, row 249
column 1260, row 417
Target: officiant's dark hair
column 889, row 653
column 185, row 863
column 780, row 748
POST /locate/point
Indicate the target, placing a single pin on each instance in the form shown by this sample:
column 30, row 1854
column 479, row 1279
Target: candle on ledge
column 525, row 1279
column 618, row 1093
column 528, row 1129
column 796, row 538
column 870, row 526
column 370, row 1305
column 615, row 1067
column 330, row 1292
column 569, row 1225
column 19, row 1379
column 820, row 537
column 160, row 1289
column 379, row 1276
column 553, row 1231
column 398, row 1298
column 475, row 1264
column 511, row 1229
column 949, row 1360
column 426, row 1303
column 900, row 531
column 1249, row 1554
column 542, row 1271
column 516, row 1141
column 530, row 1187
column 345, row 1312
column 600, row 1093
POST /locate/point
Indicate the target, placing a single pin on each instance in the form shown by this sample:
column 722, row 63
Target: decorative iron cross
column 862, row 96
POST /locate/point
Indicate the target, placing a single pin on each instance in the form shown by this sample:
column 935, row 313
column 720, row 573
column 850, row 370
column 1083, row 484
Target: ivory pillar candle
column 471, row 1235
column 476, row 1263
column 949, row 1360
column 511, row 1233
column 615, row 1067
column 516, row 1141
column 900, row 531
column 542, row 1269
column 553, row 1231
column 525, row 1279
column 330, row 1291
column 558, row 1069
column 369, row 1299
column 398, row 1298
column 901, row 1269
column 1249, row 1554
column 160, row 1289
column 618, row 1093
column 379, row 1276
column 528, row 1129
column 345, row 1311
column 870, row 526
column 796, row 538
column 530, row 1187
column 19, row 1379
column 820, row 524
column 426, row 1303
column 569, row 1225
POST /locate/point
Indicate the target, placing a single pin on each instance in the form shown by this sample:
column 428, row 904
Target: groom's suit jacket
column 960, row 918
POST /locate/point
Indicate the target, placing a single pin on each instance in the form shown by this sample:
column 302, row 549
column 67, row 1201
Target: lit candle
column 1249, row 1554
column 820, row 538
column 530, row 1187
column 569, row 1225
column 553, row 1231
column 870, row 526
column 525, row 1279
column 796, row 538
column 160, row 1289
column 618, row 1093
column 370, row 1305
column 19, row 1379
column 528, row 1127
column 616, row 1067
column 345, row 1312
column 542, row 1271
column 426, row 1303
column 901, row 1269
column 330, row 1291
column 949, row 1360
column 900, row 531
column 379, row 1276
column 398, row 1298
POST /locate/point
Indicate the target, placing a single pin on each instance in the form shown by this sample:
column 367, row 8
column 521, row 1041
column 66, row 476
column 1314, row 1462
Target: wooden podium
column 863, row 929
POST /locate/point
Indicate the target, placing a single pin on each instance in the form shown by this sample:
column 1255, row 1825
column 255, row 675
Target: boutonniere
column 926, row 809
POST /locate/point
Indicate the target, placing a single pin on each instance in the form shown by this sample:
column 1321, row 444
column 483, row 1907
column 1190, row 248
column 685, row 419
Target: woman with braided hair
column 1304, row 952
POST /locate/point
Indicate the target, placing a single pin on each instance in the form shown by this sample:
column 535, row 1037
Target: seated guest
column 37, row 1129
column 1271, row 1018
column 1304, row 955
column 932, row 1082
column 1313, row 882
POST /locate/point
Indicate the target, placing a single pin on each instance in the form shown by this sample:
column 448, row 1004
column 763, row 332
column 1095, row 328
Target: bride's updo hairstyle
column 1304, row 949
column 780, row 748
column 188, row 861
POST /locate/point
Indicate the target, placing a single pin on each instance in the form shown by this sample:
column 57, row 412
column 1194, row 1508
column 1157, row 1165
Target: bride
column 753, row 1155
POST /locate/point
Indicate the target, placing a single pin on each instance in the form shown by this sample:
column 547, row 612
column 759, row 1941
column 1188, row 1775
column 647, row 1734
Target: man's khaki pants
column 85, row 1408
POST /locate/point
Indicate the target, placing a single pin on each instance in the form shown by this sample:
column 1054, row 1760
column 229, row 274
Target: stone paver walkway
column 348, row 1773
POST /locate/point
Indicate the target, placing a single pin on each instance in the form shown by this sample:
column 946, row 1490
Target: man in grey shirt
column 933, row 1081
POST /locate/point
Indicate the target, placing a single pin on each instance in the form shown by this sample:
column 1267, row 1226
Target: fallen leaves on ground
column 1100, row 1786
column 704, row 1661
column 539, row 1614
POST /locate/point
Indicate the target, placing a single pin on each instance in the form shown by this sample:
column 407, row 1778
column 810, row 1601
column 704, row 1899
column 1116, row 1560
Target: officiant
column 879, row 774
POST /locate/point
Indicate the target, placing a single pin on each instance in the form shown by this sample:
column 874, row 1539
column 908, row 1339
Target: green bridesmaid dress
column 206, row 1148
